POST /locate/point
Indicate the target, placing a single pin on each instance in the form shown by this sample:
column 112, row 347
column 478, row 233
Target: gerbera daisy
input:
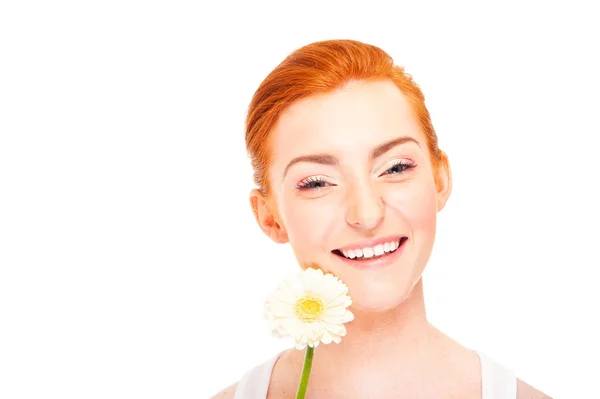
column 310, row 307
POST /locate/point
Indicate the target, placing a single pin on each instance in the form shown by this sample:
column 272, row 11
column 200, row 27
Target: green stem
column 305, row 373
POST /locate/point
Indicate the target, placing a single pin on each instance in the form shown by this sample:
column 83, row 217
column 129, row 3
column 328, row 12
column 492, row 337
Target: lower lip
column 376, row 263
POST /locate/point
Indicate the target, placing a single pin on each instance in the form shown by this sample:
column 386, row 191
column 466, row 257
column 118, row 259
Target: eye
column 313, row 183
column 400, row 167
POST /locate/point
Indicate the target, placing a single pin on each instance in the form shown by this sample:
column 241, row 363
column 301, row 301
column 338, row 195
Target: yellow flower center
column 309, row 308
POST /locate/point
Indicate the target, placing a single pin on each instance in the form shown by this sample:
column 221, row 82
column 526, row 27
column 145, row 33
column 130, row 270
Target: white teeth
column 370, row 252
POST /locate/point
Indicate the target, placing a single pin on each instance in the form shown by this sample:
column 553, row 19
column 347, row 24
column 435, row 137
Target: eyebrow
column 327, row 159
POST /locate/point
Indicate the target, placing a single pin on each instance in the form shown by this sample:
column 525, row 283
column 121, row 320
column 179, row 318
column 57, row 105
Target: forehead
column 361, row 115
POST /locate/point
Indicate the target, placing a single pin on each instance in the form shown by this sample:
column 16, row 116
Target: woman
column 349, row 172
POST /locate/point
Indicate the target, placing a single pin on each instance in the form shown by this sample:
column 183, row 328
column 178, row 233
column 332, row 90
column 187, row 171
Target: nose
column 366, row 208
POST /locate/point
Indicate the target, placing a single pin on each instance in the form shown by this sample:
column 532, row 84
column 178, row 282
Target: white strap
column 497, row 381
column 255, row 383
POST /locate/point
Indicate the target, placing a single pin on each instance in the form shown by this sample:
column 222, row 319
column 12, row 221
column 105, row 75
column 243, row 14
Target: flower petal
column 327, row 323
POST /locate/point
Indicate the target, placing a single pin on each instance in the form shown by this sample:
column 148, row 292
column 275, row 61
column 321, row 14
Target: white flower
column 309, row 307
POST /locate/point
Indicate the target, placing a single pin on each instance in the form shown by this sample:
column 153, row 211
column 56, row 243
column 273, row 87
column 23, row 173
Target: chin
column 383, row 293
column 376, row 290
column 381, row 302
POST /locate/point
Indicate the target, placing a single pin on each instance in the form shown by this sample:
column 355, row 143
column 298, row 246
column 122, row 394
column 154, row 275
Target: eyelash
column 405, row 163
column 306, row 183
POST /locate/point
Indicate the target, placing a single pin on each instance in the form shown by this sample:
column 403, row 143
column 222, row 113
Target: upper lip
column 371, row 243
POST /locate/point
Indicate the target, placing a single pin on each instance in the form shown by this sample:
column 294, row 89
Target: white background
column 130, row 262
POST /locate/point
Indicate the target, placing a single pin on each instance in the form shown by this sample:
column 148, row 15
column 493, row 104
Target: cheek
column 308, row 224
column 417, row 203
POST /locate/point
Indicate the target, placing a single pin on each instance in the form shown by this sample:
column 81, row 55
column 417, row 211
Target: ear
column 266, row 218
column 443, row 181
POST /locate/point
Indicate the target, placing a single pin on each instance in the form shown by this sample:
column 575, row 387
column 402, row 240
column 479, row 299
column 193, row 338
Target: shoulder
column 526, row 391
column 495, row 374
column 256, row 379
column 227, row 393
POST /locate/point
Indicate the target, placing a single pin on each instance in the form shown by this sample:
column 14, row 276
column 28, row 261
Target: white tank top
column 497, row 382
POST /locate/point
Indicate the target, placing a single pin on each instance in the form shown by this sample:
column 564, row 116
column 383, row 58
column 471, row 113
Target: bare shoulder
column 227, row 393
column 526, row 391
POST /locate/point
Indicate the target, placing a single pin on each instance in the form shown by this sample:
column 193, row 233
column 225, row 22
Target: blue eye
column 400, row 167
column 315, row 183
column 312, row 183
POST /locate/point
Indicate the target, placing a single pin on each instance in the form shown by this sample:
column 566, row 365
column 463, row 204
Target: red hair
column 317, row 68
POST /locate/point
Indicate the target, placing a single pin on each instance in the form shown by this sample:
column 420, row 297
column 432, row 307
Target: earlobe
column 443, row 181
column 266, row 218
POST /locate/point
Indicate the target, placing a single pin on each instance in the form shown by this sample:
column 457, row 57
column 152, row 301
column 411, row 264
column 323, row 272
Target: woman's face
column 351, row 180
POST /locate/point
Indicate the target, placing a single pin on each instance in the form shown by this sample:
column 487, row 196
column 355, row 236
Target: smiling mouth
column 369, row 253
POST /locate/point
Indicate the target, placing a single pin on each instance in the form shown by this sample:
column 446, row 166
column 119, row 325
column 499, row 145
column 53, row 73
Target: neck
column 394, row 339
column 399, row 328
